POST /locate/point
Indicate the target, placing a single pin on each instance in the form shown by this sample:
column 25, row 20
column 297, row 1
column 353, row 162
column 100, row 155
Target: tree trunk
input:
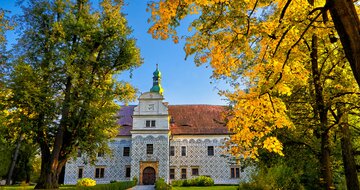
column 322, row 111
column 51, row 165
column 13, row 162
column 352, row 181
column 48, row 178
column 347, row 25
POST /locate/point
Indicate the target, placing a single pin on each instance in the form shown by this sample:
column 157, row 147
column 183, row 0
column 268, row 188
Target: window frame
column 127, row 167
column 127, row 152
column 172, row 173
column 100, row 172
column 150, row 123
column 80, row 174
column 183, row 151
column 101, row 154
column 211, row 152
column 183, row 174
column 172, row 151
column 234, row 172
column 195, row 169
column 149, row 148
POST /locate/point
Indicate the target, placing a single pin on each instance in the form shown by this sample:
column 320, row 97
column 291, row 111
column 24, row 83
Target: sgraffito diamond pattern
column 160, row 154
column 217, row 166
column 114, row 165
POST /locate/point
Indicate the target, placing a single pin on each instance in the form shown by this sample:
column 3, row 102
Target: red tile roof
column 184, row 120
column 125, row 120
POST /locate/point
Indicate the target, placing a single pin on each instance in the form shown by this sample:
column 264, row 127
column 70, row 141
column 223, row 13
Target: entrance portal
column 149, row 176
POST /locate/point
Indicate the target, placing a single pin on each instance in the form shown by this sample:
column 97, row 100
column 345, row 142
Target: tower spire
column 157, row 81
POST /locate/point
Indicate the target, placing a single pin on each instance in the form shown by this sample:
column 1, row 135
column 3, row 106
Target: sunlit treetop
column 263, row 45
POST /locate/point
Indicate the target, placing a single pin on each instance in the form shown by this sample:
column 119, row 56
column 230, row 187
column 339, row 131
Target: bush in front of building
column 203, row 181
column 198, row 181
column 160, row 184
column 177, row 183
column 122, row 185
column 135, row 179
column 85, row 182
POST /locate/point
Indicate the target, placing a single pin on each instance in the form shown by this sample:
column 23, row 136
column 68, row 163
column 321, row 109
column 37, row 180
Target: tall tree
column 264, row 45
column 63, row 78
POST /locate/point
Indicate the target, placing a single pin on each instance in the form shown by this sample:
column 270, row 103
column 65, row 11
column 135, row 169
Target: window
column 183, row 173
column 99, row 172
column 195, row 171
column 127, row 171
column 150, row 123
column 126, row 151
column 78, row 153
column 101, row 153
column 235, row 172
column 210, row 150
column 172, row 151
column 183, row 151
column 80, row 173
column 172, row 173
column 149, row 149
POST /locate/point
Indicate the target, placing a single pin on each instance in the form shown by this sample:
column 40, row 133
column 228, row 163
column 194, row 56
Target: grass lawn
column 207, row 188
column 26, row 187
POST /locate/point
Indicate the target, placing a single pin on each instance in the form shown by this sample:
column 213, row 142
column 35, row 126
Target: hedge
column 198, row 181
column 110, row 186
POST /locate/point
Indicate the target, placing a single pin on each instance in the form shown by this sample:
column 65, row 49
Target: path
column 143, row 187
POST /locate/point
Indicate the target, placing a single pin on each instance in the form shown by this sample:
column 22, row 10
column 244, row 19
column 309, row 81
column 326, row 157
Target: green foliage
column 225, row 187
column 5, row 158
column 135, row 179
column 203, row 181
column 177, row 183
column 64, row 93
column 198, row 181
column 160, row 184
column 112, row 186
column 277, row 177
column 86, row 182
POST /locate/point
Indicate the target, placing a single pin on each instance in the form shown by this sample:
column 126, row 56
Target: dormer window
column 150, row 123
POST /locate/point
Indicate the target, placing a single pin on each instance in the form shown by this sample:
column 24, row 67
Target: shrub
column 276, row 177
column 160, row 184
column 135, row 179
column 111, row 186
column 186, row 183
column 177, row 183
column 199, row 181
column 205, row 181
column 86, row 182
column 250, row 186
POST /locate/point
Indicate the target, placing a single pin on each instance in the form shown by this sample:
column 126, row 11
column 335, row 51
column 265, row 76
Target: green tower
column 157, row 82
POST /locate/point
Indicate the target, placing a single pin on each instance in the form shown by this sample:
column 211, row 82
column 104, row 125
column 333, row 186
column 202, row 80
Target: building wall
column 114, row 166
column 217, row 166
column 161, row 153
column 139, row 122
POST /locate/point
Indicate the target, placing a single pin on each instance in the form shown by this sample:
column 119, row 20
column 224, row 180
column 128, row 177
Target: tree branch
column 284, row 10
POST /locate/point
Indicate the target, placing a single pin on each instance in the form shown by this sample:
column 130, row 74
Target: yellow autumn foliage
column 262, row 43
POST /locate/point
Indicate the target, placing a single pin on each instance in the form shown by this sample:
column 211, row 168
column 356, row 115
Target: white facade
column 156, row 152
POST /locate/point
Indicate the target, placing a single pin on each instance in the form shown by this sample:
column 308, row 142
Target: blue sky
column 183, row 82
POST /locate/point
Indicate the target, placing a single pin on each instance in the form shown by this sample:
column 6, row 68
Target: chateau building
column 157, row 140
